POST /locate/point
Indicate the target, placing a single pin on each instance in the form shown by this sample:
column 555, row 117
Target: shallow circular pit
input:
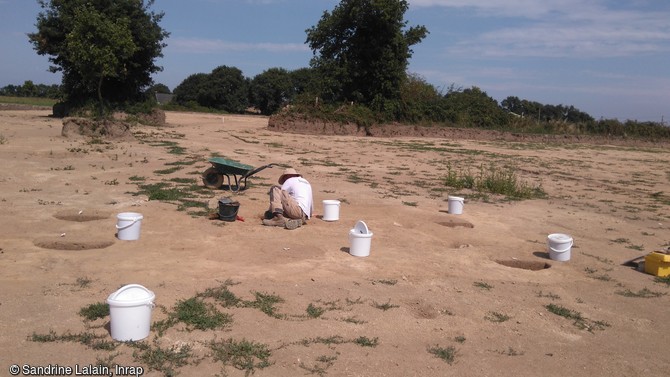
column 64, row 244
column 525, row 265
column 81, row 215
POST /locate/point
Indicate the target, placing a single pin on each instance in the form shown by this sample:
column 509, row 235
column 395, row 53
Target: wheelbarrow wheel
column 212, row 178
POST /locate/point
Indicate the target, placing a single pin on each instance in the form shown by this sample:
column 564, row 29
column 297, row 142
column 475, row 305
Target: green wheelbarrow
column 223, row 168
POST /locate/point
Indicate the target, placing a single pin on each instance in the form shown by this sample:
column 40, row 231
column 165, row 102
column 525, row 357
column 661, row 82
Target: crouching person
column 291, row 203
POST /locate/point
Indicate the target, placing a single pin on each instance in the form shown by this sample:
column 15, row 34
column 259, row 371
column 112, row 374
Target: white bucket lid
column 361, row 228
column 456, row 198
column 559, row 237
column 131, row 295
column 132, row 216
column 331, row 201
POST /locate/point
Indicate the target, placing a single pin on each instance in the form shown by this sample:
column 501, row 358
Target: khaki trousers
column 282, row 202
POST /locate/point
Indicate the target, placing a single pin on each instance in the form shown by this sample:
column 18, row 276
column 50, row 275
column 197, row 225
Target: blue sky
column 609, row 58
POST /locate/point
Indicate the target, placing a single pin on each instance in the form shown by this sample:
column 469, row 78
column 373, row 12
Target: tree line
column 29, row 89
column 107, row 51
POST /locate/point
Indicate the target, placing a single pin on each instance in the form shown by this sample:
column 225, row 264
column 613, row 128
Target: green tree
column 306, row 81
column 159, row 88
column 80, row 37
column 420, row 102
column 362, row 49
column 98, row 48
column 474, row 108
column 271, row 89
column 225, row 88
column 188, row 91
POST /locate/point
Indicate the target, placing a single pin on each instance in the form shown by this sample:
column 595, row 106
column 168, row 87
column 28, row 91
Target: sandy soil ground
column 433, row 280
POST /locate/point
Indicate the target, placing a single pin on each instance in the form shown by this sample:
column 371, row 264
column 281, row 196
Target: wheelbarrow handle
column 252, row 172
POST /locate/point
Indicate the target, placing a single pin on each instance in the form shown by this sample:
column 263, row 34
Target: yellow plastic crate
column 657, row 264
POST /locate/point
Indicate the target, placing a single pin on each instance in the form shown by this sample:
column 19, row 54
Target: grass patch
column 162, row 191
column 642, row 293
column 599, row 259
column 31, row 101
column 84, row 282
column 511, row 352
column 578, row 320
column 167, row 171
column 354, row 320
column 385, row 281
column 482, row 285
column 93, row 341
column 265, row 303
column 497, row 317
column 173, row 147
column 364, row 341
column 663, row 280
column 447, row 354
column 95, row 311
column 386, row 306
column 322, row 368
column 164, row 360
column 314, row 311
column 493, row 180
column 223, row 295
column 548, row 295
column 242, row 355
column 195, row 314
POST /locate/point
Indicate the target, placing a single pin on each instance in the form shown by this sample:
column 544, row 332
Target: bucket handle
column 129, row 225
column 564, row 250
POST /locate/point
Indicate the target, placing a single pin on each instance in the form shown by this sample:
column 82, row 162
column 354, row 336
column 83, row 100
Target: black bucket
column 228, row 209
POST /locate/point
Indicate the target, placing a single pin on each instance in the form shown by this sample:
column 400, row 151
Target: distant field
column 32, row 101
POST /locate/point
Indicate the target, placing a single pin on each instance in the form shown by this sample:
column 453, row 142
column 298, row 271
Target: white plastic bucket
column 130, row 312
column 331, row 210
column 455, row 204
column 360, row 239
column 128, row 226
column 559, row 246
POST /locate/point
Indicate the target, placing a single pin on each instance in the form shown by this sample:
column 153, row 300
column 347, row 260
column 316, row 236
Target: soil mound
column 300, row 125
column 108, row 129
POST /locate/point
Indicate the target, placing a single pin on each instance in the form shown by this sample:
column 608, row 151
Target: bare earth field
column 432, row 284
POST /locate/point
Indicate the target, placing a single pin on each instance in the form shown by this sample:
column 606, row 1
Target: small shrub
column 366, row 342
column 446, row 354
column 315, row 311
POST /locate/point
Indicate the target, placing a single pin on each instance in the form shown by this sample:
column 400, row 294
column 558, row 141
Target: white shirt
column 301, row 191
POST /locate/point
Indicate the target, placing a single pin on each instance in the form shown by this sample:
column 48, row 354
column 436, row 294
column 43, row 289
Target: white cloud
column 561, row 28
column 517, row 8
column 197, row 45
